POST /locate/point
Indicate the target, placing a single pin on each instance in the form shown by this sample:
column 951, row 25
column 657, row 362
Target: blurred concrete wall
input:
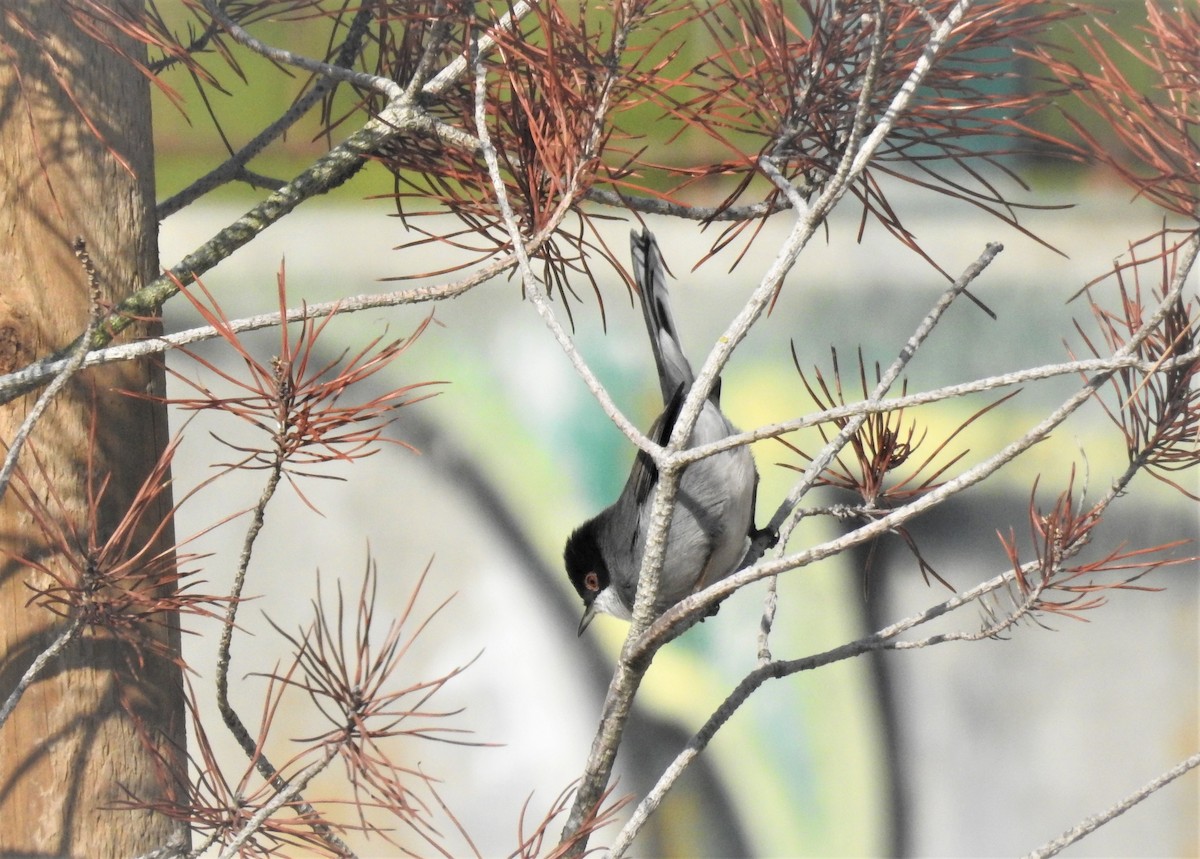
column 1001, row 745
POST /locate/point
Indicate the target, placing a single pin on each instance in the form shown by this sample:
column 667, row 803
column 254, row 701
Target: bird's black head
column 588, row 570
column 586, row 567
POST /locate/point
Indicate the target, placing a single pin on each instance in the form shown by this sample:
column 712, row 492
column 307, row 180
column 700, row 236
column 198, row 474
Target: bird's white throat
column 608, row 602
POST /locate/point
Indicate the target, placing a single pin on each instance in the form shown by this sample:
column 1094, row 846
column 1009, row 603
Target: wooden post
column 76, row 160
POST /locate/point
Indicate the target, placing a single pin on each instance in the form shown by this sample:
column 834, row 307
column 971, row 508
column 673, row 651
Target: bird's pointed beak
column 588, row 614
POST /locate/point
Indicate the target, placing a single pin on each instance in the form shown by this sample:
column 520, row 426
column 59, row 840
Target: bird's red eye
column 592, row 582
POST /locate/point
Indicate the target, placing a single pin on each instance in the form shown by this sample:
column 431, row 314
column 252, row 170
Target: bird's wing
column 645, row 474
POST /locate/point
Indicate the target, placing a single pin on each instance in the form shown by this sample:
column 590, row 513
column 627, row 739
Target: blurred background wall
column 998, row 745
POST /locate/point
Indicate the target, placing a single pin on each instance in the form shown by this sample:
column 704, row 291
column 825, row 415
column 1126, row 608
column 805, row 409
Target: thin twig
column 848, row 431
column 767, row 622
column 854, row 161
column 287, row 794
column 233, row 168
column 936, row 395
column 605, row 744
column 883, row 639
column 64, row 637
column 229, row 622
column 440, row 29
column 175, row 846
column 382, row 85
column 767, row 165
column 230, row 716
column 664, row 629
column 326, row 173
column 783, row 522
column 534, row 288
column 72, row 365
column 455, row 69
column 1091, row 824
column 707, row 214
column 13, row 384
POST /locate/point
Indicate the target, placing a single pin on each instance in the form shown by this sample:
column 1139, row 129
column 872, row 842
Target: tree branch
column 664, row 628
column 402, row 114
column 69, row 367
column 386, row 87
column 234, row 167
column 1091, row 824
column 65, row 636
column 233, row 721
column 290, row 791
column 777, row 669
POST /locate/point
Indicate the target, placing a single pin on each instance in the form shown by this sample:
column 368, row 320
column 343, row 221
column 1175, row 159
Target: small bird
column 713, row 520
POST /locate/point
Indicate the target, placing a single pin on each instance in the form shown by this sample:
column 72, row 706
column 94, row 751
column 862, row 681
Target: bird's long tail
column 674, row 371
